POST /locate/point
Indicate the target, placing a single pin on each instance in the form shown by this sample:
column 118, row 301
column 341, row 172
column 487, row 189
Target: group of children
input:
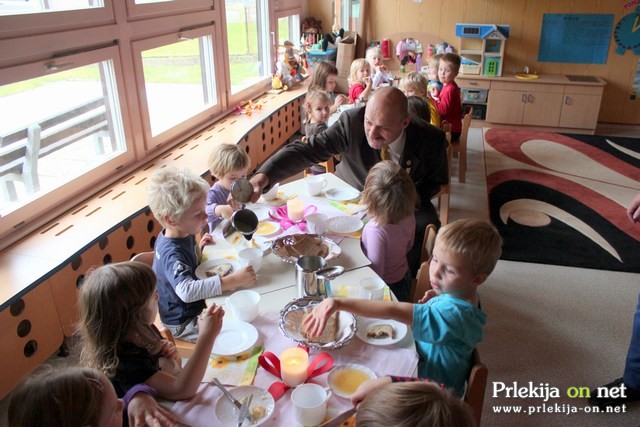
column 438, row 90
column 119, row 302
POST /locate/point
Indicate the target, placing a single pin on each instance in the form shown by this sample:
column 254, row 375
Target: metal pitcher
column 243, row 221
column 307, row 268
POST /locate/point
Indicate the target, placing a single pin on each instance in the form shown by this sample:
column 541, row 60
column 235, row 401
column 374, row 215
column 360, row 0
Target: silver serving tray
column 334, row 249
column 347, row 325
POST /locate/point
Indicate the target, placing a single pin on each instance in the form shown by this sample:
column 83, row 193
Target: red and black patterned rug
column 562, row 199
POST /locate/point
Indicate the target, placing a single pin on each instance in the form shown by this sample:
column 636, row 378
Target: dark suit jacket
column 424, row 156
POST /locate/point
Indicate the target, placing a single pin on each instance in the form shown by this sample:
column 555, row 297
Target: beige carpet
column 559, row 326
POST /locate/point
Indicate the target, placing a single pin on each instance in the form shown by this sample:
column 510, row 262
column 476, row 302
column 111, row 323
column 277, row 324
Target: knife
column 229, row 396
column 335, row 422
column 244, row 411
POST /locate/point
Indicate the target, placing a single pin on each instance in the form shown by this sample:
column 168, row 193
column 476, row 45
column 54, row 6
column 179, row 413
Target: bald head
column 389, row 100
column 385, row 117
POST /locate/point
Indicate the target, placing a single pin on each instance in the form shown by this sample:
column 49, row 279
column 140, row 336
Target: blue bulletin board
column 577, row 38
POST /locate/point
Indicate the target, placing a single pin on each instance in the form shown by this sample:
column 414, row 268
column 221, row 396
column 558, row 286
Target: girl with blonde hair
column 390, row 197
column 118, row 305
column 360, row 84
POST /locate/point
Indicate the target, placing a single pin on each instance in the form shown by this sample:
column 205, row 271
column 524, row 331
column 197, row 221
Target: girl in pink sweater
column 390, row 197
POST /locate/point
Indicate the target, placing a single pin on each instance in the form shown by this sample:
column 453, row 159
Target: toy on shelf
column 482, row 48
column 311, row 29
column 248, row 107
column 409, row 50
column 332, row 40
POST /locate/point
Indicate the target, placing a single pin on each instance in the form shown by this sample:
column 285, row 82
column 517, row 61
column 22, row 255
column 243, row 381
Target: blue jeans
column 631, row 375
column 188, row 331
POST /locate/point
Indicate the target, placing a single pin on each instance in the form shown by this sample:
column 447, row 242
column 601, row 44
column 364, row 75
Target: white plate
column 342, row 194
column 267, row 228
column 201, row 270
column 235, row 337
column 344, row 225
column 227, row 413
column 364, row 323
column 335, row 373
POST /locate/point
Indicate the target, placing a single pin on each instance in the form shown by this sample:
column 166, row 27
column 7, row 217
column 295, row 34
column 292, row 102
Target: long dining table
column 276, row 285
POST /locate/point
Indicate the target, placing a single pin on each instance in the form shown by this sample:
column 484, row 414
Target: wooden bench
column 21, row 149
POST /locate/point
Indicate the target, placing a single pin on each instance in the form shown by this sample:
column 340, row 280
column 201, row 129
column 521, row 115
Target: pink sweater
column 387, row 246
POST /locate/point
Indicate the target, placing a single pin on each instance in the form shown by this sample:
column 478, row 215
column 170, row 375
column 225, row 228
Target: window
column 347, row 13
column 61, row 121
column 248, row 43
column 89, row 88
column 179, row 78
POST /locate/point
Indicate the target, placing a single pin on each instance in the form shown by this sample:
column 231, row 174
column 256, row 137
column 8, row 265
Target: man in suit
column 363, row 136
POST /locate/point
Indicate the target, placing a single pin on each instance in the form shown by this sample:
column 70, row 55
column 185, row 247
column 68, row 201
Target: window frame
column 56, row 21
column 41, row 205
column 164, row 8
column 138, row 46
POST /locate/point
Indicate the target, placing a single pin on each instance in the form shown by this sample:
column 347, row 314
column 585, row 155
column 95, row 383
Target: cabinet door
column 542, row 109
column 580, row 111
column 505, row 106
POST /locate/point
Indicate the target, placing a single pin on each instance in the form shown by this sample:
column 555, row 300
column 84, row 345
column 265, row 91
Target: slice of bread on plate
column 381, row 330
column 330, row 333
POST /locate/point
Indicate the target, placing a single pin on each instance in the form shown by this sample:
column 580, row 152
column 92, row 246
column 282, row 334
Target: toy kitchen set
column 567, row 102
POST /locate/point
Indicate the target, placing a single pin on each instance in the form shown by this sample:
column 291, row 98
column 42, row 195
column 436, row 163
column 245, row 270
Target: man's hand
column 259, row 182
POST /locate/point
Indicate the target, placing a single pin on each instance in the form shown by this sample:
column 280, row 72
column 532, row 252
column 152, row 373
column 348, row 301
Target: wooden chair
column 428, row 242
column 329, row 165
column 185, row 348
column 459, row 147
column 476, row 386
column 444, row 195
column 422, row 283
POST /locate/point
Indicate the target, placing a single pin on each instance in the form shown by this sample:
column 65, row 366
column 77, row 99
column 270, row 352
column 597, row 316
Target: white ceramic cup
column 252, row 257
column 272, row 193
column 314, row 184
column 310, row 404
column 244, row 305
column 317, row 223
column 371, row 288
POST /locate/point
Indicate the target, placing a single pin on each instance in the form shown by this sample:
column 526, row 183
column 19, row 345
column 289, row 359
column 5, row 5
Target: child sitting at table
column 79, row 396
column 317, row 109
column 379, row 72
column 409, row 402
column 359, row 80
column 118, row 304
column 418, row 107
column 449, row 104
column 227, row 163
column 324, row 78
column 447, row 323
column 390, row 197
column 415, row 84
column 177, row 200
column 434, row 86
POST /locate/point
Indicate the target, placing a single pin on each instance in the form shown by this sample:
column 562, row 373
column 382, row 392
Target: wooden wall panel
column 439, row 17
column 30, row 334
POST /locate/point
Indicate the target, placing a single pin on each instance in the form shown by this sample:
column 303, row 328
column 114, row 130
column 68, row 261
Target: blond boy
column 447, row 323
column 177, row 199
column 415, row 84
column 227, row 163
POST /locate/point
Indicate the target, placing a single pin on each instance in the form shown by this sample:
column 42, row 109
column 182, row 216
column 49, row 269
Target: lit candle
column 295, row 209
column 293, row 366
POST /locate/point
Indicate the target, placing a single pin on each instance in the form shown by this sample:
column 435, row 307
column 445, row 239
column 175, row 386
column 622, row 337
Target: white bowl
column 272, row 194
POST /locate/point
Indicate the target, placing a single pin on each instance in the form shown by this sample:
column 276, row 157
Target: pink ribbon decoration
column 281, row 215
column 320, row 364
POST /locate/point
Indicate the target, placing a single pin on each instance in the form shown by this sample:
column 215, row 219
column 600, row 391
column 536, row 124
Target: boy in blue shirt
column 177, row 199
column 447, row 323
